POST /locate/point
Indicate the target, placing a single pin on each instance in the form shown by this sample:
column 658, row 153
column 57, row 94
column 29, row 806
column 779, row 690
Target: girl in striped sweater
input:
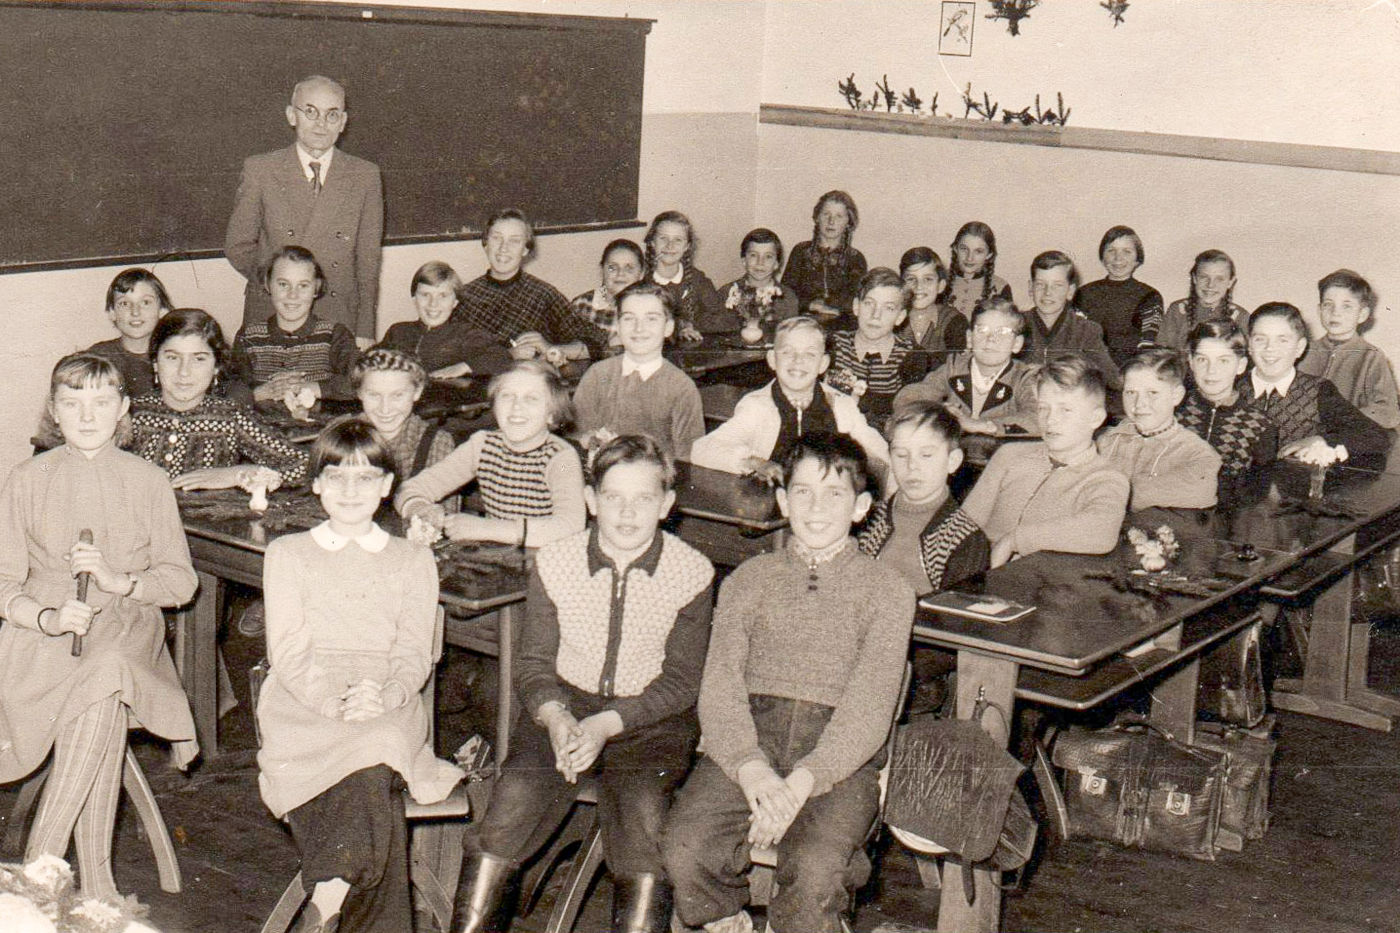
column 531, row 480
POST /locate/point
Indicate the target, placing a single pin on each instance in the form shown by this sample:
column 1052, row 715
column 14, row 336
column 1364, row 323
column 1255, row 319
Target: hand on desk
column 971, row 425
column 279, row 385
column 453, row 371
column 766, row 470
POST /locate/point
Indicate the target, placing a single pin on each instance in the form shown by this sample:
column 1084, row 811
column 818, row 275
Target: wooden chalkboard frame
column 340, row 14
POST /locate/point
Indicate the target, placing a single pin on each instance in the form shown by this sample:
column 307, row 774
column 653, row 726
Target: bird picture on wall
column 955, row 28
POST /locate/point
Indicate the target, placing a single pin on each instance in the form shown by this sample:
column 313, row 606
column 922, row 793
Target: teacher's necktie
column 315, row 177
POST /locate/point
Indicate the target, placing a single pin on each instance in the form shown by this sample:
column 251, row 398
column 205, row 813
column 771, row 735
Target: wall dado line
column 1293, row 155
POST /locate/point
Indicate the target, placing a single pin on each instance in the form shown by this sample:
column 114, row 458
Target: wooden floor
column 1328, row 864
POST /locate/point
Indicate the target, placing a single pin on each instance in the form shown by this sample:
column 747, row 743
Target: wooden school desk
column 1092, row 638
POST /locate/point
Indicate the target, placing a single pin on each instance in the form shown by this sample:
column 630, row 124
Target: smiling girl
column 756, row 295
column 1129, row 312
column 531, row 480
column 202, row 440
column 136, row 299
column 670, row 253
column 1212, row 290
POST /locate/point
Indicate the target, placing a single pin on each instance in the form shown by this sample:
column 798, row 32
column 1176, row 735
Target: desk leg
column 1333, row 685
column 1174, row 698
column 198, row 647
column 997, row 677
column 505, row 639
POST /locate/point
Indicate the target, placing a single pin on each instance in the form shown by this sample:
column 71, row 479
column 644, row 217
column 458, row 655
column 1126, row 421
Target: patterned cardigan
column 951, row 547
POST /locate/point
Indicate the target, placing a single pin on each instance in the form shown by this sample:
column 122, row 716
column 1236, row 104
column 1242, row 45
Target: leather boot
column 479, row 891
column 641, row 904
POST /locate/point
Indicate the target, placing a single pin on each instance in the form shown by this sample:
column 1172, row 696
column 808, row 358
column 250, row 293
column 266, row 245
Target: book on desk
column 984, row 608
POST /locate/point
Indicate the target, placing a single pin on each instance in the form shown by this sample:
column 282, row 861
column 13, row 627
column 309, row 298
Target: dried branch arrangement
column 885, row 97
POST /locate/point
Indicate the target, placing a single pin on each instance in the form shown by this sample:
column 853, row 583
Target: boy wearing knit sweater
column 1057, row 494
column 768, row 421
column 1358, row 369
column 640, row 391
column 802, row 677
column 608, row 668
column 1309, row 411
column 1167, row 465
column 1245, row 438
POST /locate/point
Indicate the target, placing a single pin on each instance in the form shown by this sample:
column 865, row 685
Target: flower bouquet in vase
column 1319, row 456
column 754, row 306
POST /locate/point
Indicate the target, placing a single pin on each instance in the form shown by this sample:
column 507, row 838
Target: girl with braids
column 1212, row 288
column 670, row 255
column 825, row 270
column 974, row 277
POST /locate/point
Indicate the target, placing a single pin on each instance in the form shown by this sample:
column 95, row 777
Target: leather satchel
column 952, row 784
column 1249, row 753
column 1136, row 785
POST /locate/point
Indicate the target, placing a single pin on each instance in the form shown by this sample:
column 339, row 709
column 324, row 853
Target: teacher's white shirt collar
column 373, row 541
column 306, row 159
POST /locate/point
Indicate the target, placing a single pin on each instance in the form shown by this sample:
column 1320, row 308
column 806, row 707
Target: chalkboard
column 123, row 126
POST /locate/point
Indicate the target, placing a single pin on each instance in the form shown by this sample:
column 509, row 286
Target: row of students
column 295, row 352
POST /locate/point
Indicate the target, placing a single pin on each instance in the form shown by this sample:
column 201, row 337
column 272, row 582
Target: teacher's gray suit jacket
column 343, row 226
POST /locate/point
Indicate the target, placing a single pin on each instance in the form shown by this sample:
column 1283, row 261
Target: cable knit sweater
column 1174, row 469
column 836, row 635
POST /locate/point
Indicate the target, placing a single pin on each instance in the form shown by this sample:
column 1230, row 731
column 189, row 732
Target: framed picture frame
column 955, row 27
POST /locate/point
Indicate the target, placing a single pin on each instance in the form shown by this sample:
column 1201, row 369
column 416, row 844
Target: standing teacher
column 313, row 195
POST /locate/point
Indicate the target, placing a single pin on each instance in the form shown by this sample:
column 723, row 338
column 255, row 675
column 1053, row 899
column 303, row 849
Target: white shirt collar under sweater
column 306, row 158
column 373, row 541
column 673, row 280
column 1262, row 388
column 644, row 370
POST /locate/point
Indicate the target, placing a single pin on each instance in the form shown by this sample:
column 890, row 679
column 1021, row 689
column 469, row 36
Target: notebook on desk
column 973, row 606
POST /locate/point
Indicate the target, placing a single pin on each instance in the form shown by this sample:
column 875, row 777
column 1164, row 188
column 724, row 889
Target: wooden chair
column 588, row 860
column 436, row 834
column 138, row 789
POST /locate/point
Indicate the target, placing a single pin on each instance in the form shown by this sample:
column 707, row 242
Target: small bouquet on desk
column 40, row 897
column 1155, row 550
column 1153, row 553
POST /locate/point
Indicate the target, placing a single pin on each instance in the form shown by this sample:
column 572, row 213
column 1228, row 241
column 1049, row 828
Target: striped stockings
column 80, row 796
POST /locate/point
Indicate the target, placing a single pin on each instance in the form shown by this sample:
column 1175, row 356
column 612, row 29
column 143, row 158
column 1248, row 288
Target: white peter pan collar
column 373, row 541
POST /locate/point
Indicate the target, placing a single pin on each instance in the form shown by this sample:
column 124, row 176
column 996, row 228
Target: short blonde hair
column 796, row 323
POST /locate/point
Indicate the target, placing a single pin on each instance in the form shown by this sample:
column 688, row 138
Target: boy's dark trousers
column 356, row 831
column 819, row 863
column 636, row 772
